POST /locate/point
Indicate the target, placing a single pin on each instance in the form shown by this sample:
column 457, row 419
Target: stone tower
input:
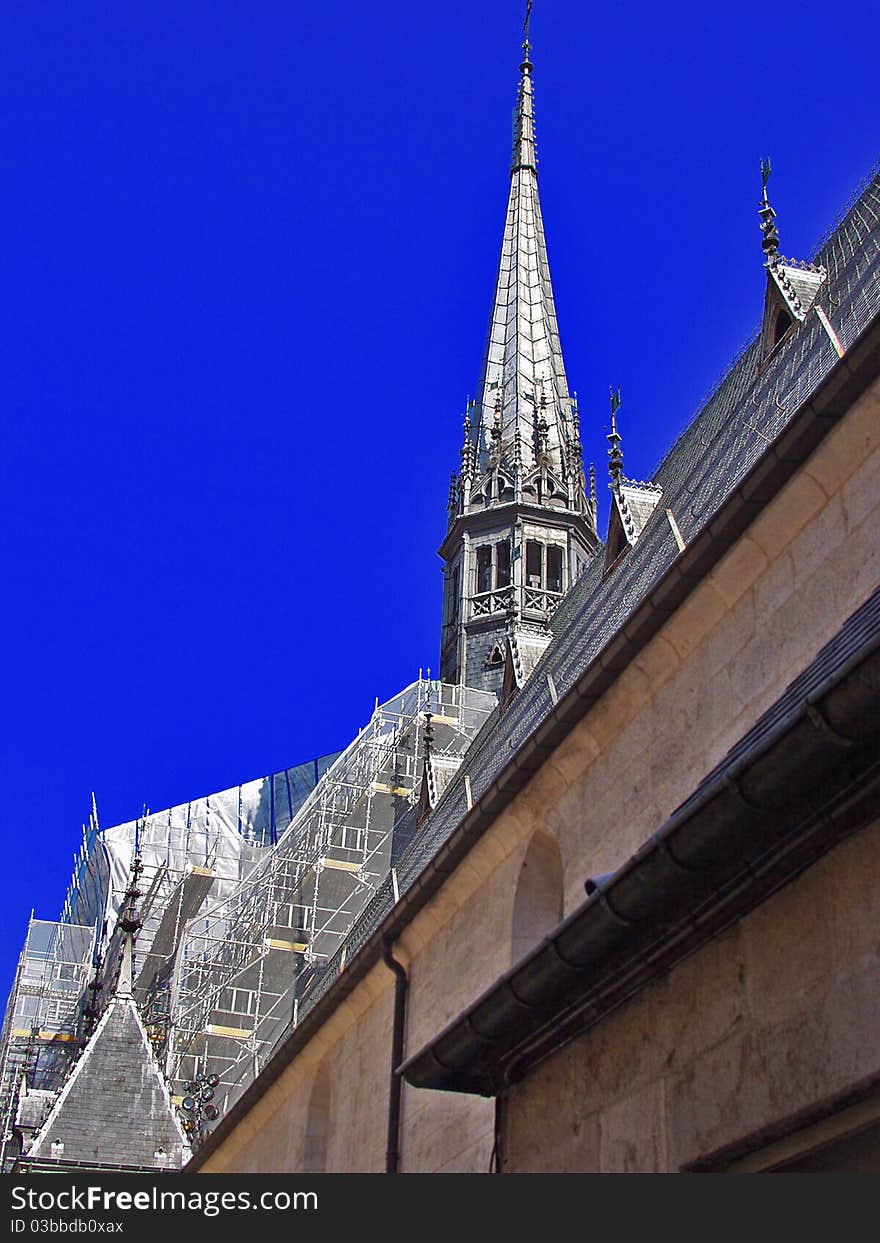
column 521, row 527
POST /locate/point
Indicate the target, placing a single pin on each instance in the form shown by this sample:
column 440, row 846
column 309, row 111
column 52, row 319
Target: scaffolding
column 246, row 963
column 42, row 1029
column 188, row 851
column 245, row 894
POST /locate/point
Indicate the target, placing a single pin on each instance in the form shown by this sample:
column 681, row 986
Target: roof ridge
column 846, row 210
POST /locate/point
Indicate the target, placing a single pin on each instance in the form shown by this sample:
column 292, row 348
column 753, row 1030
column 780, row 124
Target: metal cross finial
column 766, row 170
column 527, row 45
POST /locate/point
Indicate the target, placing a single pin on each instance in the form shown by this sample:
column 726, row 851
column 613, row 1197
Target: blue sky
column 248, row 257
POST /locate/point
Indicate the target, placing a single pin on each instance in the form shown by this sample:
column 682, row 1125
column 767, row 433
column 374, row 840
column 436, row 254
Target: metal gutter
column 775, row 806
column 831, row 400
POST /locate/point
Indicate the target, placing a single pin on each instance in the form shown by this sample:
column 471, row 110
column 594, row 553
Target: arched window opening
column 502, row 564
column 544, row 570
column 495, row 657
column 554, row 568
column 534, row 563
column 537, row 904
column 484, row 568
column 783, row 322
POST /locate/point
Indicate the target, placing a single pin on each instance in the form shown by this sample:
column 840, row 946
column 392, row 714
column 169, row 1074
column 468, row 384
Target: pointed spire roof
column 115, row 1108
column 523, row 403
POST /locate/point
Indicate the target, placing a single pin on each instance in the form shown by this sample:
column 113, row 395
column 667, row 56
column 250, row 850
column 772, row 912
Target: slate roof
column 115, row 1106
column 748, row 410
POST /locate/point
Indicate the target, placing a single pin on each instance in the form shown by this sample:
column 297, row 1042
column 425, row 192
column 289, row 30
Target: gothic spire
column 521, row 529
column 523, row 357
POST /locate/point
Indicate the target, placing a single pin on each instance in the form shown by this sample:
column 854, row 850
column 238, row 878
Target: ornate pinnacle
column 575, row 422
column 467, row 448
column 496, row 427
column 429, row 733
column 130, row 923
column 575, row 446
column 770, row 241
column 92, row 1010
column 542, row 429
column 594, row 500
column 615, row 456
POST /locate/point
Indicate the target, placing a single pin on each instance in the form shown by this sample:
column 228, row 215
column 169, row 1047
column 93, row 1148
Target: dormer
column 632, row 500
column 792, row 286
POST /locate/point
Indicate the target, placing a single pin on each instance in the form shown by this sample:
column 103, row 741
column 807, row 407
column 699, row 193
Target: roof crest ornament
column 770, row 241
column 524, row 128
column 615, row 455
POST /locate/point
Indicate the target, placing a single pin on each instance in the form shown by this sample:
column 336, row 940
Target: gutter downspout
column 395, row 1089
column 496, row 1164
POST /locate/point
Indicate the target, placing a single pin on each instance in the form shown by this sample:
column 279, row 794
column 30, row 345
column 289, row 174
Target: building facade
column 637, row 931
column 603, row 897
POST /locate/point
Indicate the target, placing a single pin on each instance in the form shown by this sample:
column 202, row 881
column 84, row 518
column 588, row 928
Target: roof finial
column 428, row 792
column 130, row 923
column 615, row 456
column 770, row 242
column 92, row 1009
column 524, row 125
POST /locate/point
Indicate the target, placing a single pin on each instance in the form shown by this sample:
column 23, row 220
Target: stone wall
column 770, row 1020
column 725, row 656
